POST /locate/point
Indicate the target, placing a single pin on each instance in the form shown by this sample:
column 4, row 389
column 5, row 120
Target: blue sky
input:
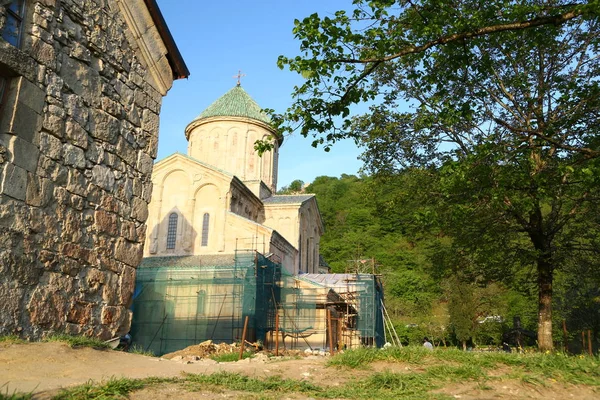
column 218, row 38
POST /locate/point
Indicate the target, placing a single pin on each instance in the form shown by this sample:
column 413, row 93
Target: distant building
column 220, row 198
column 81, row 86
column 221, row 246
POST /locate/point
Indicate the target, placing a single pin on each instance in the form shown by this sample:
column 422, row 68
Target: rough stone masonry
column 78, row 135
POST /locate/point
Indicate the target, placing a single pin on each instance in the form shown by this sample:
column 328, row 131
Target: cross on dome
column 239, row 77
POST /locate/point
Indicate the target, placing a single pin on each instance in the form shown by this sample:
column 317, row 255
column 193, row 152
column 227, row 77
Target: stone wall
column 78, row 135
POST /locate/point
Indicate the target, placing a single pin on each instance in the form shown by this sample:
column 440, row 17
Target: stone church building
column 220, row 196
column 81, row 86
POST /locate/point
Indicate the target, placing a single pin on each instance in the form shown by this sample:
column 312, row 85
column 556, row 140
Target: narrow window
column 205, row 221
column 13, row 24
column 307, row 256
column 172, row 231
column 300, row 255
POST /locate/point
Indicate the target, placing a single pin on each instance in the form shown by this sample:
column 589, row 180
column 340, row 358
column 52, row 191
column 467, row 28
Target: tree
column 297, row 186
column 505, row 112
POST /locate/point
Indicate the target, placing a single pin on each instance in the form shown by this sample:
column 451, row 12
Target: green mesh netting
column 179, row 305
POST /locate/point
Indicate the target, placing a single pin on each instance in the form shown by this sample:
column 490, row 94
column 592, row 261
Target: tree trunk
column 545, row 304
column 464, row 343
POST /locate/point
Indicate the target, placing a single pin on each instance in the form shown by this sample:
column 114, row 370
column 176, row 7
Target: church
column 220, row 196
column 222, row 248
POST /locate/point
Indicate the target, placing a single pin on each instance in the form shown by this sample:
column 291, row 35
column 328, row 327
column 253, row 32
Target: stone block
column 48, row 307
column 129, row 253
column 126, row 151
column 145, row 164
column 51, row 146
column 150, row 121
column 81, row 53
column 80, row 313
column 103, row 177
column 24, row 116
column 14, row 182
column 76, row 134
column 128, row 231
column 94, row 153
column 104, row 126
column 139, row 209
column 54, row 124
column 75, row 107
column 126, row 286
column 74, row 156
column 39, row 191
column 77, row 183
column 110, row 293
column 21, row 152
column 106, row 222
column 42, row 51
column 81, row 79
column 30, row 95
column 93, row 279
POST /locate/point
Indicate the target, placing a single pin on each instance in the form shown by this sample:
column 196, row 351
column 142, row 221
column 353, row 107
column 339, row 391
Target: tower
column 224, row 134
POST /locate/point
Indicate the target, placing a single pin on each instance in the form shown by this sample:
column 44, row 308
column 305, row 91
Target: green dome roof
column 235, row 103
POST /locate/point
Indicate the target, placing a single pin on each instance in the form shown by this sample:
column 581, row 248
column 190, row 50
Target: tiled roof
column 235, row 103
column 288, row 199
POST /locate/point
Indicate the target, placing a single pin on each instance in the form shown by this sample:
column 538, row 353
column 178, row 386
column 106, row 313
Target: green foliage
column 297, row 186
column 11, row 339
column 6, row 395
column 78, row 341
column 463, row 310
column 114, row 388
column 231, row 357
column 501, row 150
column 234, row 381
column 426, row 371
column 136, row 349
column 455, row 364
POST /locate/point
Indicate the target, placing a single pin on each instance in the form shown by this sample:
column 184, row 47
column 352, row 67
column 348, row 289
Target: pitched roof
column 288, row 199
column 235, row 103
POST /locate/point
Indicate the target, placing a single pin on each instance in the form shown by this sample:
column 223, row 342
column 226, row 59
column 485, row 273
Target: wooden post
column 331, row 344
column 565, row 336
column 277, row 333
column 243, row 338
column 590, row 350
column 340, row 337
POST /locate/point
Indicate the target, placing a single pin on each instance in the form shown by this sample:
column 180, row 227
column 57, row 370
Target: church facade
column 220, row 198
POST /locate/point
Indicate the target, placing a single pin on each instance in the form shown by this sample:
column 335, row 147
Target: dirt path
column 43, row 368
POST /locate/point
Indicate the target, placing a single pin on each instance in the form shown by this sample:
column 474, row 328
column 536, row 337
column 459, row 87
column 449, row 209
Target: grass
column 11, row 339
column 428, row 372
column 230, row 357
column 232, row 381
column 73, row 341
column 5, row 395
column 111, row 389
column 78, row 341
column 537, row 366
column 135, row 349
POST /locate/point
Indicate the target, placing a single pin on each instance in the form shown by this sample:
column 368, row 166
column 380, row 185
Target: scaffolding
column 189, row 300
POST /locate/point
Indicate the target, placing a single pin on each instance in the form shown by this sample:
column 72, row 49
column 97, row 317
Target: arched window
column 307, row 256
column 205, row 221
column 172, row 231
column 13, row 25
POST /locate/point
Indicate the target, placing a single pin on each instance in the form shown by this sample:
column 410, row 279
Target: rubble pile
column 205, row 349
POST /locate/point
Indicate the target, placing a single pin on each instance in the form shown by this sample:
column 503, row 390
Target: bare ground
column 45, row 368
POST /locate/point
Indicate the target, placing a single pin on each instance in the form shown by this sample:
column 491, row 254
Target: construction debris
column 206, row 349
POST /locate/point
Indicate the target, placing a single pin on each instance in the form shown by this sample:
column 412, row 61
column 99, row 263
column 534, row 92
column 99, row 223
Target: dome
column 234, row 103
